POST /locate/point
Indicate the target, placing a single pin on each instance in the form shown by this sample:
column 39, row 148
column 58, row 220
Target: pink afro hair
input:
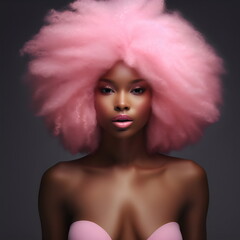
column 80, row 44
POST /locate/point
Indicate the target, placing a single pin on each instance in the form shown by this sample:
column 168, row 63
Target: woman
column 123, row 81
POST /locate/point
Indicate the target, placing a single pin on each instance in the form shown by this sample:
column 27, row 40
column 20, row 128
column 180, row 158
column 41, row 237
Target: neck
column 123, row 151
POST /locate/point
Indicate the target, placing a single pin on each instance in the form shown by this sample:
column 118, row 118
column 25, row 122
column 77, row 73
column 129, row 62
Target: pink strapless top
column 86, row 230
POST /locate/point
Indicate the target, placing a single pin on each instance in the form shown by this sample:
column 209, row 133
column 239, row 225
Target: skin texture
column 121, row 187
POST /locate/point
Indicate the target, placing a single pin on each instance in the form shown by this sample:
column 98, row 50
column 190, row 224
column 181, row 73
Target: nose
column 121, row 102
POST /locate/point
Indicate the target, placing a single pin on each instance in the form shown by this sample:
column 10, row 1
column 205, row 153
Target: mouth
column 122, row 121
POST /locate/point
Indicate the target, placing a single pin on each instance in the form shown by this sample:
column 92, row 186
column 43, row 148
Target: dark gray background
column 27, row 149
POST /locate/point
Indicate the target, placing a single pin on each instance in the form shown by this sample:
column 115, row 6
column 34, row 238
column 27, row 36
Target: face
column 122, row 101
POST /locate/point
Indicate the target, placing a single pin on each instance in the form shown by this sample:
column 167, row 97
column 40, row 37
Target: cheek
column 103, row 107
column 143, row 107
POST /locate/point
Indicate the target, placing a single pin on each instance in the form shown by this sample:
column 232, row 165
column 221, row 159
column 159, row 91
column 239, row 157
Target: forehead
column 121, row 72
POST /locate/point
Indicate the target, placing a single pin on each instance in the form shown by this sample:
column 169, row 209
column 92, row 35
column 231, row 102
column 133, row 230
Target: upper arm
column 195, row 213
column 51, row 207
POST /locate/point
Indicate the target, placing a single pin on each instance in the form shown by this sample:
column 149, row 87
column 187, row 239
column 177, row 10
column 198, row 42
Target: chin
column 126, row 133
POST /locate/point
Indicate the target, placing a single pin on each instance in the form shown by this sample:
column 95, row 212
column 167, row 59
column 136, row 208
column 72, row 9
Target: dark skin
column 121, row 187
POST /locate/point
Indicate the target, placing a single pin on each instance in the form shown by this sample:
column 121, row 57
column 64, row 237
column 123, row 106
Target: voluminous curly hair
column 79, row 44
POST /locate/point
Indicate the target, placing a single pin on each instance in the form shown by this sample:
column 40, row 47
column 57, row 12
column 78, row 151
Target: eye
column 138, row 90
column 106, row 90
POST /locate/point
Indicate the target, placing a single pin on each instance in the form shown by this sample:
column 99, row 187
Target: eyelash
column 138, row 90
column 106, row 90
column 109, row 90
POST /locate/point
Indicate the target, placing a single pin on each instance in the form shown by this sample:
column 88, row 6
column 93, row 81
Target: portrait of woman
column 123, row 85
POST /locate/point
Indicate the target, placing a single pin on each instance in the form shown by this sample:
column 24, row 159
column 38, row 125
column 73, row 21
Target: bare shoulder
column 62, row 175
column 189, row 178
column 188, row 168
column 186, row 171
column 58, row 172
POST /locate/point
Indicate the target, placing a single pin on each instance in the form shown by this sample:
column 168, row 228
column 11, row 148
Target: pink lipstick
column 122, row 121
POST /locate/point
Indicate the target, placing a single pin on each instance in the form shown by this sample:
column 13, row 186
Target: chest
column 126, row 205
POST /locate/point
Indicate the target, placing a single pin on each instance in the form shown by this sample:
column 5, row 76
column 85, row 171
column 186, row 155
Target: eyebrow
column 110, row 81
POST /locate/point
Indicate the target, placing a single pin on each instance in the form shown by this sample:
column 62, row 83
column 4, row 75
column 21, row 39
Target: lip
column 122, row 121
column 122, row 117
